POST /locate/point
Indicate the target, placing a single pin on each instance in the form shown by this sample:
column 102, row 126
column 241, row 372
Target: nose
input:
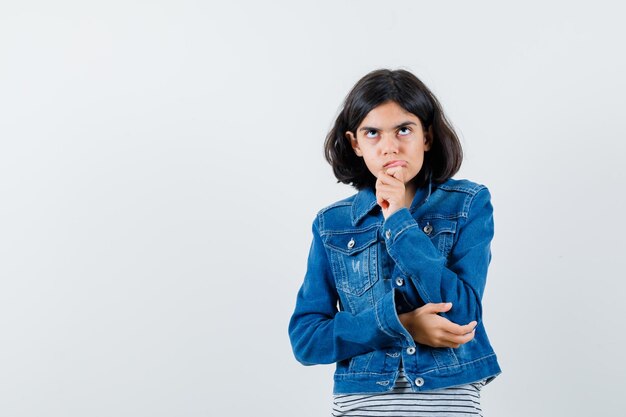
column 389, row 144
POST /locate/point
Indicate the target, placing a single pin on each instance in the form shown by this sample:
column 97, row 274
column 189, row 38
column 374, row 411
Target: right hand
column 390, row 190
column 429, row 328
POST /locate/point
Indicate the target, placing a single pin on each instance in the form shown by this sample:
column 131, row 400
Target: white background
column 161, row 164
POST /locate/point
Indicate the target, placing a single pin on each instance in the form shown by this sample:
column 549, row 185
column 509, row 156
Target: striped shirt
column 401, row 401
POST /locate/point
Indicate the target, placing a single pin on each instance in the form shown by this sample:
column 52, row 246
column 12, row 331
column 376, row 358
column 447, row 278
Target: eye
column 371, row 133
column 404, row 131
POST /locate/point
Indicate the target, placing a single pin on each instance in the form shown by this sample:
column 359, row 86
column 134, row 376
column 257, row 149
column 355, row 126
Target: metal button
column 428, row 229
column 399, row 282
column 388, row 234
column 419, row 381
column 411, row 351
column 351, row 244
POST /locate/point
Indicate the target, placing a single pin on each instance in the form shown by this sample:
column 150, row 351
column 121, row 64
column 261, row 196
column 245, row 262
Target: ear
column 428, row 138
column 355, row 144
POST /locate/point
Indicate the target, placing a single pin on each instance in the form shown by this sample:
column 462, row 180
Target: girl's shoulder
column 344, row 202
column 338, row 211
column 346, row 213
column 461, row 185
column 460, row 197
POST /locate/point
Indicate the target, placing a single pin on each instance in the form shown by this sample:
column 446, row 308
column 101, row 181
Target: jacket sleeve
column 460, row 278
column 320, row 334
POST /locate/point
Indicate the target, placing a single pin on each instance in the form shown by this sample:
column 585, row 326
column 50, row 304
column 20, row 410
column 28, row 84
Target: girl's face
column 391, row 139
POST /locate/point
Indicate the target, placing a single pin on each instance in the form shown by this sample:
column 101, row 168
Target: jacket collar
column 365, row 201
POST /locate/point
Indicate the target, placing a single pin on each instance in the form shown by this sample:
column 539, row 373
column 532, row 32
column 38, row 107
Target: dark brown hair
column 441, row 162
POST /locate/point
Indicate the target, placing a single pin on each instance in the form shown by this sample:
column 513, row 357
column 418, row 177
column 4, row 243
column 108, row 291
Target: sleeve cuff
column 397, row 223
column 388, row 321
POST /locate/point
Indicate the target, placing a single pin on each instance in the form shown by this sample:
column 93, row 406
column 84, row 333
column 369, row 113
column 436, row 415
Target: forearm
column 318, row 337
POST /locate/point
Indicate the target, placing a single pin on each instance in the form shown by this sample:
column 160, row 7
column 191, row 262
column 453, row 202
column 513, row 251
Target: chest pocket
column 441, row 233
column 354, row 260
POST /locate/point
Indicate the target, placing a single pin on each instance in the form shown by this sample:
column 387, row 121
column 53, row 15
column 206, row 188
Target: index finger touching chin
column 382, row 175
column 397, row 172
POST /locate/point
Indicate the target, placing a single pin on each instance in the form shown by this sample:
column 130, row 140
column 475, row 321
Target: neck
column 409, row 194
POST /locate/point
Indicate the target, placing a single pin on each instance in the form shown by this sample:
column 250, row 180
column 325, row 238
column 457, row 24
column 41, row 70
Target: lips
column 395, row 163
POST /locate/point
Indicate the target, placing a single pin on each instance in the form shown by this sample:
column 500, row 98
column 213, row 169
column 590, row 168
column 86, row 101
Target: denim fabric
column 363, row 270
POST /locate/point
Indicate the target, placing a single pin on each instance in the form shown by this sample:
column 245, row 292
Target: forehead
column 388, row 115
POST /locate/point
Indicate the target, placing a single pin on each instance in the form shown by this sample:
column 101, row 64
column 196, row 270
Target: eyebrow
column 403, row 124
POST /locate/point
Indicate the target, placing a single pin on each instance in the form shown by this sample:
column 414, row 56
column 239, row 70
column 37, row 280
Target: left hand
column 429, row 328
column 390, row 190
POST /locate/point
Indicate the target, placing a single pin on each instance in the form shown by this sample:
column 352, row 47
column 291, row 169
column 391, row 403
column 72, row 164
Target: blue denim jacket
column 363, row 270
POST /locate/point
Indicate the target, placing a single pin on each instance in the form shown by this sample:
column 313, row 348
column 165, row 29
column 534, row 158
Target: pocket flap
column 438, row 226
column 352, row 242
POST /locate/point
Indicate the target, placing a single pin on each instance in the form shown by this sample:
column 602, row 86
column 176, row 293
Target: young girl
column 396, row 273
